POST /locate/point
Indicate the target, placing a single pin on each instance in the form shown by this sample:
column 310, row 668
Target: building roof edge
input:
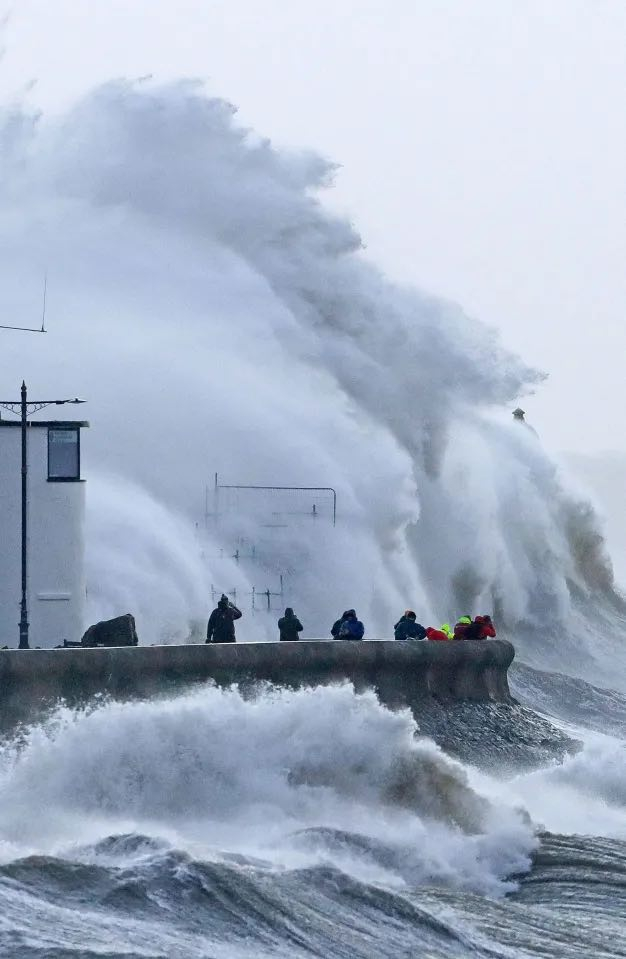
column 16, row 424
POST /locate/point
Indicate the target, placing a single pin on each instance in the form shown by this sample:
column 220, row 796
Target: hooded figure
column 289, row 626
column 460, row 628
column 337, row 625
column 408, row 628
column 484, row 628
column 348, row 627
column 221, row 625
column 435, row 634
column 447, row 629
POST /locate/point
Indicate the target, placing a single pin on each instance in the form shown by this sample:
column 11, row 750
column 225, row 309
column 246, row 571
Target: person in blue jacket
column 408, row 628
column 348, row 627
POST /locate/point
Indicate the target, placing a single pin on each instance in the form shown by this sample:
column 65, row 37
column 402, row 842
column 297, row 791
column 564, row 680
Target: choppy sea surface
column 317, row 823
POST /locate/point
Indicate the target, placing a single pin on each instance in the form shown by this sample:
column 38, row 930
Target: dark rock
column 112, row 632
column 505, row 738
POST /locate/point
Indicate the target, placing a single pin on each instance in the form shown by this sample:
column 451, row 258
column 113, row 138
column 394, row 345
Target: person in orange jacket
column 436, row 634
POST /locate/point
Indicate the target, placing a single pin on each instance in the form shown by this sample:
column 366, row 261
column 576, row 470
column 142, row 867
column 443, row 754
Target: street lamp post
column 24, row 408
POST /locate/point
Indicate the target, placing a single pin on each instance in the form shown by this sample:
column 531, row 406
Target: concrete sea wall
column 402, row 673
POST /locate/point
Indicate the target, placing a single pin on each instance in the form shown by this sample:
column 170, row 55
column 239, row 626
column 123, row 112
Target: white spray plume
column 219, row 318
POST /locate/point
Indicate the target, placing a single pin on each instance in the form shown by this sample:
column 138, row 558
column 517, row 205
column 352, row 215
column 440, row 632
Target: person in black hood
column 408, row 628
column 221, row 625
column 289, row 626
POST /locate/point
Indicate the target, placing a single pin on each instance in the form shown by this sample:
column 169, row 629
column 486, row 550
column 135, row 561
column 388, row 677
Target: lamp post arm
column 34, row 406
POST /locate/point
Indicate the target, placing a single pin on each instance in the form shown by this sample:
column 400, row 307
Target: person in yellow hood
column 447, row 629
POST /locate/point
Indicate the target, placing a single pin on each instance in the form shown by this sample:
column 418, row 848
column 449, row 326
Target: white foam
column 211, row 771
column 584, row 794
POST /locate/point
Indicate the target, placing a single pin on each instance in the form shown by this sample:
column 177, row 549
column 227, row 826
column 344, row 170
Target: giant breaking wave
column 217, row 317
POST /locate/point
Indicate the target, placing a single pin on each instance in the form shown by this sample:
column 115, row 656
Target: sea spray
column 147, row 559
column 212, row 771
column 585, row 794
column 218, row 318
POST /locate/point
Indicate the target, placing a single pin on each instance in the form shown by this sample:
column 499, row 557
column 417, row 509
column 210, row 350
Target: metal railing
column 217, row 486
column 260, row 599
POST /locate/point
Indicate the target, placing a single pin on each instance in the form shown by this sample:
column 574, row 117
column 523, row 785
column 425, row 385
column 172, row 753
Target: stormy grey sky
column 482, row 145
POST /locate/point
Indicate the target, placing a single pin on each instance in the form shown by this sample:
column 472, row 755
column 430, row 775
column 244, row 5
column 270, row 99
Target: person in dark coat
column 221, row 625
column 408, row 628
column 337, row 625
column 289, row 626
column 461, row 627
column 348, row 627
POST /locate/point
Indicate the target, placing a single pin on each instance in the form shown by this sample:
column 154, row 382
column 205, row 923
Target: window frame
column 65, row 479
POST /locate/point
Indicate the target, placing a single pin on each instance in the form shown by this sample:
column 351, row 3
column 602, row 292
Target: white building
column 56, row 511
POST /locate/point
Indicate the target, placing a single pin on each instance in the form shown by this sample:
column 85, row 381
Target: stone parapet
column 402, row 673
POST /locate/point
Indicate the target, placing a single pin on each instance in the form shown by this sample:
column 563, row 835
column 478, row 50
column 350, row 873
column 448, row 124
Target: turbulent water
column 302, row 823
column 219, row 319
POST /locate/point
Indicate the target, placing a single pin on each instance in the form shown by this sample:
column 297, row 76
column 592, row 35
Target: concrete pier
column 401, row 673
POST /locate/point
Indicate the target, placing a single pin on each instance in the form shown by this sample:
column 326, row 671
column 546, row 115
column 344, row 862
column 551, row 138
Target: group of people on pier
column 221, row 626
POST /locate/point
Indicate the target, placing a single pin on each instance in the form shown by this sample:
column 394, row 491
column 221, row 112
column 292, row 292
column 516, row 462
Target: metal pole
column 23, row 602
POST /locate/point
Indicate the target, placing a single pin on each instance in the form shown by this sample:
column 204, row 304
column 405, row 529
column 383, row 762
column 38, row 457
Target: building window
column 63, row 453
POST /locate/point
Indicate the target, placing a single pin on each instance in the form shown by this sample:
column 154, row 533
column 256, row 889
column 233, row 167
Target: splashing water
column 218, row 318
column 213, row 771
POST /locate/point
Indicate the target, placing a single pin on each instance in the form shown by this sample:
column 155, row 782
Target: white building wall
column 56, row 580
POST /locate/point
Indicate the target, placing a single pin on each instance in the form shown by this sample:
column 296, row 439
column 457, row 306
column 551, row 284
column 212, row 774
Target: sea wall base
column 402, row 673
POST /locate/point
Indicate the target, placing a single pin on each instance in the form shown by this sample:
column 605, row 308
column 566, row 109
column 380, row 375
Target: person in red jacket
column 436, row 634
column 481, row 628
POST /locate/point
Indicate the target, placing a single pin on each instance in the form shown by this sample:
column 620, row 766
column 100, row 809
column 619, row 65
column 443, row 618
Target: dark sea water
column 163, row 902
column 317, row 823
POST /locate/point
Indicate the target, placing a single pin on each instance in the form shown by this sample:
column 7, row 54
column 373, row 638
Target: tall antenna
column 43, row 309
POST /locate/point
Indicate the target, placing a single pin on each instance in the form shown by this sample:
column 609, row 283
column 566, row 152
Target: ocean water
column 307, row 823
column 219, row 319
